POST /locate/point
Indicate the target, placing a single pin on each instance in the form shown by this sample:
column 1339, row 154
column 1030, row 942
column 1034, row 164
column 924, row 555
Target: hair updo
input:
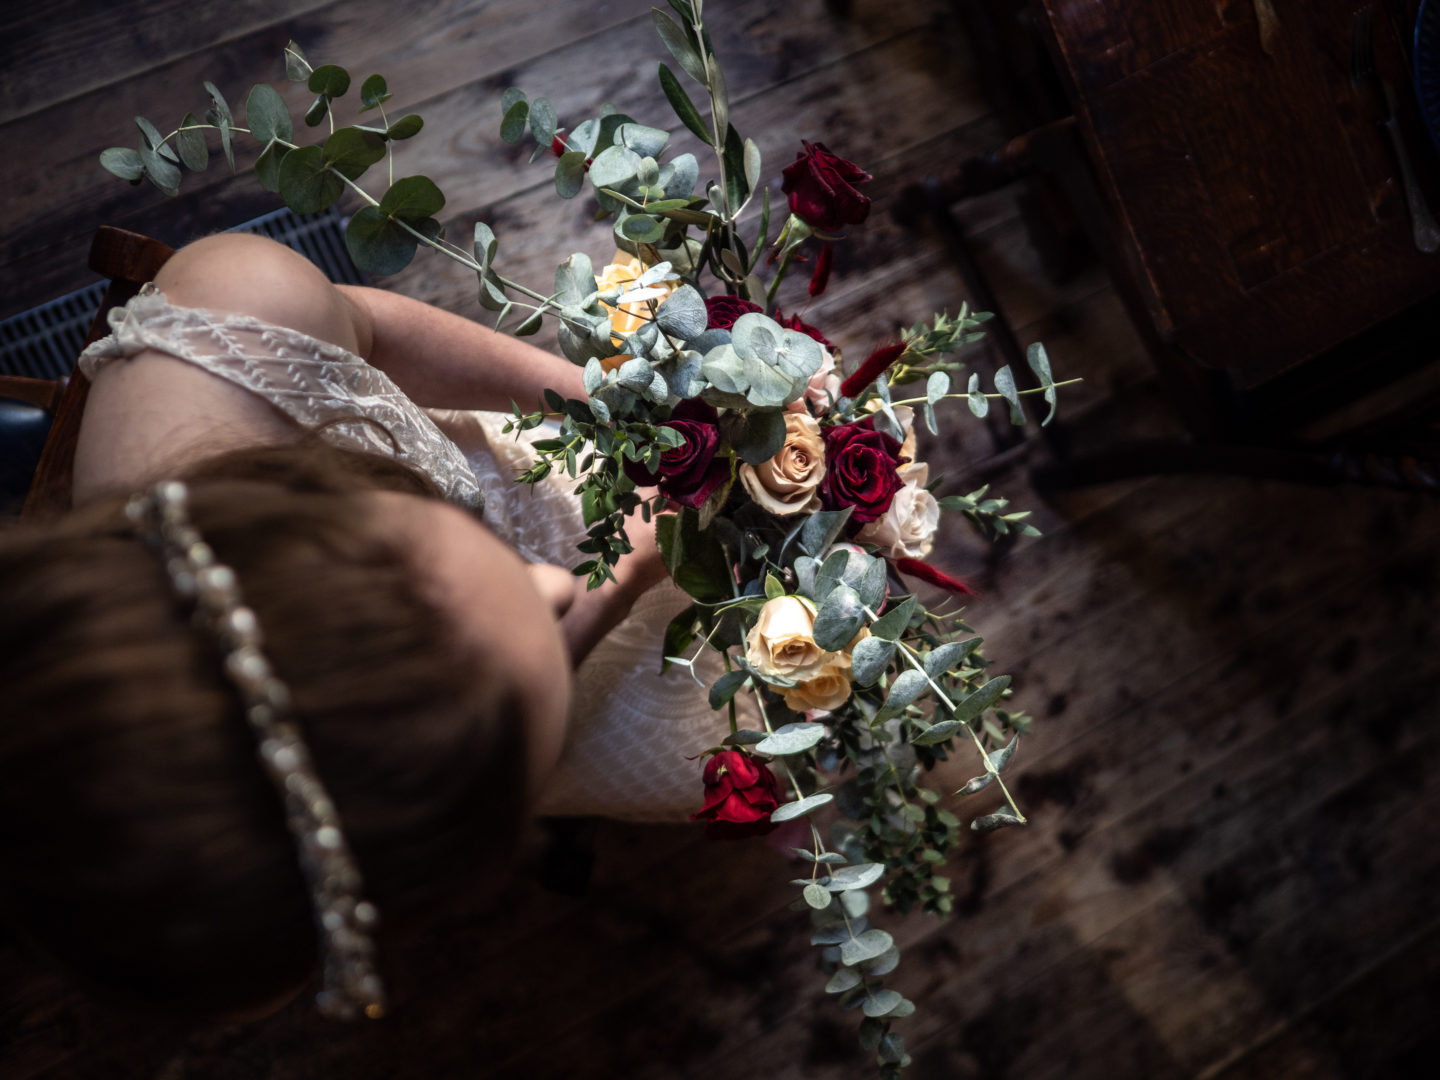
column 141, row 843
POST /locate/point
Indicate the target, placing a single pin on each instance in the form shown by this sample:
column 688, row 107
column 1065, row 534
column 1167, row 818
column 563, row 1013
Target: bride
column 321, row 461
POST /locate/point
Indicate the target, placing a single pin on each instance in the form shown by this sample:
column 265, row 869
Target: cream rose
column 782, row 641
column 906, row 415
column 907, row 531
column 789, row 483
column 828, row 690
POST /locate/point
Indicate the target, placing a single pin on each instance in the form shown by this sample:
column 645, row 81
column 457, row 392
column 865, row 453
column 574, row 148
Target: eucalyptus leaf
column 821, row 528
column 570, row 174
column 752, row 165
column 908, row 686
column 641, row 228
column 306, row 183
column 190, row 145
column 864, row 946
column 975, row 783
column 123, row 162
column 856, row 877
column 725, row 687
column 891, row 1050
column 543, row 121
column 512, row 125
column 329, row 80
column 614, row 167
column 1005, row 385
column 758, row 436
column 683, row 314
column 895, row 621
column 840, row 618
column 154, row 139
column 297, row 68
column 883, row 964
column 881, row 1001
column 790, row 739
column 407, row 127
column 979, row 403
column 510, row 96
column 936, row 387
column 719, row 103
column 411, row 198
column 377, row 243
column 267, row 166
column 530, row 324
column 817, row 896
column 869, row 659
column 485, row 245
column 937, row 733
column 1039, row 363
column 844, row 979
column 219, row 104
column 872, row 583
column 164, row 174
column 350, row 151
column 642, row 140
column 744, row 737
column 976, row 703
column 227, row 143
column 683, row 106
column 374, row 92
column 315, row 115
column 944, row 657
column 800, row 807
column 998, row 820
column 267, row 114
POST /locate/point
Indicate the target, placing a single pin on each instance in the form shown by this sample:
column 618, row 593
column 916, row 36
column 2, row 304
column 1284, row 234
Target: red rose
column 740, row 794
column 724, row 310
column 794, row 322
column 819, row 186
column 860, row 465
column 691, row 471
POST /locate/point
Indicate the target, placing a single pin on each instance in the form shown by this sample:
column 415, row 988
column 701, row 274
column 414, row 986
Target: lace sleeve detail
column 312, row 382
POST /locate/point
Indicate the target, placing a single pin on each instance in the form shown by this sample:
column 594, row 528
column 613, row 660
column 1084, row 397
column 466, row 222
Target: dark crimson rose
column 860, row 465
column 875, row 365
column 692, row 470
column 934, row 575
column 740, row 794
column 820, row 188
column 724, row 310
column 793, row 322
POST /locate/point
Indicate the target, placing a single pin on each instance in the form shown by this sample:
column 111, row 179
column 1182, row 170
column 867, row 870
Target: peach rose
column 628, row 318
column 782, row 641
column 907, row 530
column 831, row 687
column 789, row 482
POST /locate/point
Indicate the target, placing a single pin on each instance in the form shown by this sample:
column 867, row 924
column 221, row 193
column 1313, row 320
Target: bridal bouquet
column 802, row 510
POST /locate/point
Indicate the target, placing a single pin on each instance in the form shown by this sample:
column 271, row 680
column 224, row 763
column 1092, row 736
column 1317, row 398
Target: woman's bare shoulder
column 154, row 413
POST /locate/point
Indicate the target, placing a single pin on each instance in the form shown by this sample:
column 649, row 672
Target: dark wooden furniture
column 129, row 260
column 1240, row 187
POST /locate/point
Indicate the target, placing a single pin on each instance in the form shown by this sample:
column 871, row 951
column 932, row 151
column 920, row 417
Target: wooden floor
column 1233, row 859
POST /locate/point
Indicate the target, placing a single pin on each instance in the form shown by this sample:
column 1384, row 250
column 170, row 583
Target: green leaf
column 821, row 529
column 154, row 139
column 880, row 1002
column 871, row 1032
column 614, row 167
column 883, row 964
column 267, row 166
column 570, row 174
column 870, row 658
column 979, row 403
column 856, row 877
column 509, row 97
column 485, row 245
column 683, row 314
column 944, row 657
column 982, row 699
column 683, row 106
column 773, row 588
column 678, row 43
column 315, row 115
column 642, row 229
column 530, row 324
column 891, row 1050
column 1005, row 385
column 894, row 622
column 735, row 169
column 350, row 151
column 297, row 68
column 840, row 617
column 1039, row 363
column 752, row 165
column 756, row 436
column 329, row 80
column 791, row 739
column 743, row 737
column 865, row 946
column 412, row 198
column 845, row 978
column 543, row 121
column 306, row 183
column 191, row 145
column 800, row 807
column 720, row 103
column 936, row 387
column 407, row 127
column 122, row 162
column 998, row 820
column 374, row 92
column 377, row 243
column 817, row 896
column 723, row 689
column 165, row 175
column 512, row 126
column 938, row 733
column 267, row 115
column 219, row 104
column 908, row 686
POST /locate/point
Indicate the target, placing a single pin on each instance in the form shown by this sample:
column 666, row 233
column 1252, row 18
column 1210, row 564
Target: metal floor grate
column 42, row 343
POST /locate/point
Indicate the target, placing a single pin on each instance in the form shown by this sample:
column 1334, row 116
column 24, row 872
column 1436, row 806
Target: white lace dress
column 633, row 731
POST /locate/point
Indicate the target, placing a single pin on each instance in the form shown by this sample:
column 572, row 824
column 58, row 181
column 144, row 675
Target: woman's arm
column 442, row 360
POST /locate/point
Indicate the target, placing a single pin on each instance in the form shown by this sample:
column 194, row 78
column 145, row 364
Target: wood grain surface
column 1232, row 857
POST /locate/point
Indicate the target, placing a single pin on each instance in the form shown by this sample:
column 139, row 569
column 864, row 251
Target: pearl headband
column 343, row 920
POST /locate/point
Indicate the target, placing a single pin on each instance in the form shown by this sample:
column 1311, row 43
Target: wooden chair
column 129, row 260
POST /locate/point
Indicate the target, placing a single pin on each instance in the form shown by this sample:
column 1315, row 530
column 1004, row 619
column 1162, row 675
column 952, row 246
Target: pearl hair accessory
column 344, row 921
